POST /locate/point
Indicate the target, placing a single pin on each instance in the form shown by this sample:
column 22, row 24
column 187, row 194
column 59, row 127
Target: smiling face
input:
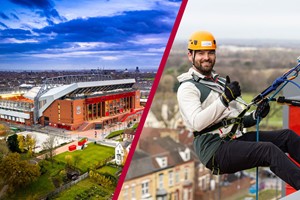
column 203, row 61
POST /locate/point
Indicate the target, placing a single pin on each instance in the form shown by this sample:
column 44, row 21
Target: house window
column 118, row 157
column 132, row 191
column 145, row 188
column 187, row 155
column 164, row 162
column 201, row 167
column 186, row 173
column 171, row 181
column 202, row 183
column 177, row 176
column 160, row 180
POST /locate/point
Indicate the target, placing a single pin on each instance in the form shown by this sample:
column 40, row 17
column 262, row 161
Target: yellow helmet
column 202, row 40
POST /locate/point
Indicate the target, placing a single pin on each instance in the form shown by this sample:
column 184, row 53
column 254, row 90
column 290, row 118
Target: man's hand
column 232, row 91
column 262, row 109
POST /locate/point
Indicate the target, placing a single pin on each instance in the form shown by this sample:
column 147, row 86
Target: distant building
column 16, row 108
column 128, row 134
column 81, row 104
column 121, row 152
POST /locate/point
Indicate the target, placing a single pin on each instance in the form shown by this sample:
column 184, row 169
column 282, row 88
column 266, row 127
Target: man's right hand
column 231, row 92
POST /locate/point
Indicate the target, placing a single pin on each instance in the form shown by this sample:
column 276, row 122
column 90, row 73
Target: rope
column 283, row 79
column 257, row 140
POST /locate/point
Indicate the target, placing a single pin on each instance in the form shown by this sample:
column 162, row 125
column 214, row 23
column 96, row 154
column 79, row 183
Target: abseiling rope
column 283, row 79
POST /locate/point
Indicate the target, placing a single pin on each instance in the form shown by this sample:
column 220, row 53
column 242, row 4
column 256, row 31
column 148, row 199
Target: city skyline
column 52, row 34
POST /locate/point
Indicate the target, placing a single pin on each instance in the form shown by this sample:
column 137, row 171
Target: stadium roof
column 82, row 88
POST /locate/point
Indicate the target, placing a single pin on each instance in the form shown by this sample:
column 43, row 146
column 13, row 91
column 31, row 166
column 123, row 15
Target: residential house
column 166, row 171
column 128, row 134
column 121, row 152
column 203, row 179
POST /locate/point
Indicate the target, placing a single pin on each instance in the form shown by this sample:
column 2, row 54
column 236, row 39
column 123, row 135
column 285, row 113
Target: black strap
column 234, row 128
column 224, row 123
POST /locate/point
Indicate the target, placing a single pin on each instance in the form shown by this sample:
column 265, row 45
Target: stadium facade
column 74, row 102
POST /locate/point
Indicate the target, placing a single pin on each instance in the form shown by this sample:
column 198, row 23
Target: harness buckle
column 225, row 123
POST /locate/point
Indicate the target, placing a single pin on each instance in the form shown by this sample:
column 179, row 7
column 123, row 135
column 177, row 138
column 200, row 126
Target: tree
column 18, row 173
column 21, row 142
column 30, row 143
column 26, row 144
column 77, row 158
column 49, row 146
column 12, row 143
column 3, row 149
column 4, row 130
column 69, row 161
column 125, row 157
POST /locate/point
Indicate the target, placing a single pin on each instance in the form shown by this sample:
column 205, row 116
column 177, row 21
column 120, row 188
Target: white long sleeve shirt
column 196, row 115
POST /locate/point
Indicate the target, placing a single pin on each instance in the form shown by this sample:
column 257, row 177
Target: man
column 210, row 108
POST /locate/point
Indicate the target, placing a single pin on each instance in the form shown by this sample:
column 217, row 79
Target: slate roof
column 141, row 164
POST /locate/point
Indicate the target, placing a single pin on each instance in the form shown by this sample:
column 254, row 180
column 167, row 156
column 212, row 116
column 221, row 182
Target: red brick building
column 85, row 105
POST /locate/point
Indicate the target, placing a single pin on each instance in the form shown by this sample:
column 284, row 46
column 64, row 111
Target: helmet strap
column 194, row 55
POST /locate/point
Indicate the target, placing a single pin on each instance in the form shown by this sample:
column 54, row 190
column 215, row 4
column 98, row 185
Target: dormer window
column 186, row 154
column 162, row 161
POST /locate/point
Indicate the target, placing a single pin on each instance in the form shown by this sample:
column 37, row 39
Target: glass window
column 161, row 180
column 186, row 173
column 177, row 176
column 171, row 181
column 145, row 188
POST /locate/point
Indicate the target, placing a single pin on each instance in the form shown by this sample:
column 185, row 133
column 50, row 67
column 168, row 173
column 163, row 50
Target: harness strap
column 224, row 123
column 237, row 122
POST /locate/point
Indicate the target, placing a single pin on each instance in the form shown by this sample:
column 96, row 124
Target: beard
column 205, row 68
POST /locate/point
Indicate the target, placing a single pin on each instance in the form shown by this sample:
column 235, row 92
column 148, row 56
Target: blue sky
column 84, row 34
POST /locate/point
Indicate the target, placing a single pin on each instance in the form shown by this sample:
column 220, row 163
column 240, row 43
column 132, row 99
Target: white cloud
column 14, row 40
column 150, row 39
column 109, row 58
column 157, row 50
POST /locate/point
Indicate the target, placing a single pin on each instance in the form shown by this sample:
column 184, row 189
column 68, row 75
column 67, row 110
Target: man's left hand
column 262, row 109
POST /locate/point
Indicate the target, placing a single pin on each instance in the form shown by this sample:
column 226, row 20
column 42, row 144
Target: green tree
column 18, row 173
column 77, row 158
column 26, row 144
column 69, row 161
column 12, row 143
column 3, row 149
column 30, row 144
column 21, row 142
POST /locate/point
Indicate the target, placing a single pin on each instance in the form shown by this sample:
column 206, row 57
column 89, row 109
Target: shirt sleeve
column 192, row 110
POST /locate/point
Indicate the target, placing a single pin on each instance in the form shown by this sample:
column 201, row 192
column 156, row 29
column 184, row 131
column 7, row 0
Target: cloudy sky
column 84, row 34
column 238, row 19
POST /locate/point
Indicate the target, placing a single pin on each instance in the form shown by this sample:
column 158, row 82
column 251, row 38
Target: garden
column 53, row 175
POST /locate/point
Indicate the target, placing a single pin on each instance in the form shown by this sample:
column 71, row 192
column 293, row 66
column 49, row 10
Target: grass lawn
column 89, row 156
column 114, row 134
column 135, row 125
column 108, row 169
column 83, row 188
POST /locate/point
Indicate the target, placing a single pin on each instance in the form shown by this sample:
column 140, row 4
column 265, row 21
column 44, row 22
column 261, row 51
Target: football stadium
column 74, row 102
